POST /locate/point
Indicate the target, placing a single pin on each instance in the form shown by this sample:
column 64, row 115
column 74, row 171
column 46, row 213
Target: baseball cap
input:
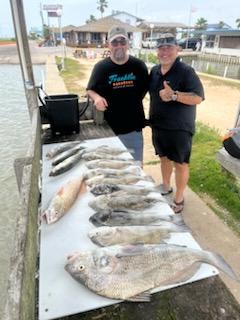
column 166, row 39
column 115, row 32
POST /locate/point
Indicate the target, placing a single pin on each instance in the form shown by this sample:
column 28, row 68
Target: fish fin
column 176, row 219
column 219, row 262
column 141, row 297
column 131, row 250
column 138, row 163
column 48, row 218
column 130, row 150
column 184, row 275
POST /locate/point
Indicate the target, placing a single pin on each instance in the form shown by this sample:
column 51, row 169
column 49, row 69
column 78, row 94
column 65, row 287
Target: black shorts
column 176, row 145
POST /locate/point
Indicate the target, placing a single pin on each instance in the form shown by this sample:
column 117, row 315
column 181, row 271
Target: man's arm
column 189, row 98
column 99, row 101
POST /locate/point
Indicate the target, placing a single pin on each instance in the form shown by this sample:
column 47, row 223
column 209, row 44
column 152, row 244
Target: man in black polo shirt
column 117, row 86
column 175, row 89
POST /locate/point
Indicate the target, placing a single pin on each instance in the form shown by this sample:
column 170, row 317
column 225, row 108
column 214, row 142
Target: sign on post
column 52, row 7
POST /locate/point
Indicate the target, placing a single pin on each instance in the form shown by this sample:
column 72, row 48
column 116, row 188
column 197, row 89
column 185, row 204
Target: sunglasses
column 116, row 42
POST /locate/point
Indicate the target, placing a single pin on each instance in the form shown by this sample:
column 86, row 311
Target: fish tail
column 219, row 262
column 148, row 178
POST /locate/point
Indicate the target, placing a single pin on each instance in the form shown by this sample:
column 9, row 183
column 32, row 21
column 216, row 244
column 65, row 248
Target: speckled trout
column 66, row 154
column 66, row 164
column 61, row 148
column 130, row 272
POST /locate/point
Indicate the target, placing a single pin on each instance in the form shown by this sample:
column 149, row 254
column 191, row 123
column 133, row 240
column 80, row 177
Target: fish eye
column 81, row 268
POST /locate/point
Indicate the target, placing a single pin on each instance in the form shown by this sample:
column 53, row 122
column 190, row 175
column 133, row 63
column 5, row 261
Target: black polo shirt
column 174, row 115
column 124, row 87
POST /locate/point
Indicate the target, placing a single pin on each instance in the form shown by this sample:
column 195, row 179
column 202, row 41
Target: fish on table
column 63, row 200
column 122, row 200
column 101, row 155
column 133, row 218
column 108, row 150
column 113, row 179
column 102, row 188
column 111, row 164
column 61, row 148
column 66, row 154
column 66, row 164
column 114, row 172
column 130, row 272
column 108, row 236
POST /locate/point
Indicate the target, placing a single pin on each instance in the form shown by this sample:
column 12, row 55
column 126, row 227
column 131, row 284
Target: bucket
column 63, row 113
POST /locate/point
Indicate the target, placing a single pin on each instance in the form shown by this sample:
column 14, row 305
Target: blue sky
column 76, row 12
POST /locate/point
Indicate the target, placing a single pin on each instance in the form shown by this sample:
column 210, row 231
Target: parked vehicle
column 190, row 42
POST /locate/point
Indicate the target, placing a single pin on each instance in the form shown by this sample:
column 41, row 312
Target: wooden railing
column 21, row 298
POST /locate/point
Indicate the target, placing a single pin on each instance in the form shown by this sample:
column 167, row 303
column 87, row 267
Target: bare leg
column 166, row 169
column 181, row 180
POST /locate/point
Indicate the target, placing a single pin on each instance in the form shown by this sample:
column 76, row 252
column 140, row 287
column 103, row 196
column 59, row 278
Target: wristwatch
column 174, row 96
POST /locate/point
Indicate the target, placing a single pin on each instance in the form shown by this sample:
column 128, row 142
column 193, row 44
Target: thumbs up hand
column 166, row 93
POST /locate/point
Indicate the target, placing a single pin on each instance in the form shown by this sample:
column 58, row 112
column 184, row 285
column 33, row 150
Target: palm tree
column 201, row 23
column 91, row 19
column 238, row 23
column 102, row 4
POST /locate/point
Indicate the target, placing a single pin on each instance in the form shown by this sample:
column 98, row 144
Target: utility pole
column 41, row 15
column 24, row 54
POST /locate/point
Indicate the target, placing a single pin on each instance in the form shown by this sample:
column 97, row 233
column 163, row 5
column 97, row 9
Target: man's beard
column 120, row 55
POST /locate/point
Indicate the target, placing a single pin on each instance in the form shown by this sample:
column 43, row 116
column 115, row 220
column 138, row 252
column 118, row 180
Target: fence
column 219, row 65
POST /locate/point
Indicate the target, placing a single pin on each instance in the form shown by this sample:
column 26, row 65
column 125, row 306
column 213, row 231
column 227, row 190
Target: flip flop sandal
column 177, row 206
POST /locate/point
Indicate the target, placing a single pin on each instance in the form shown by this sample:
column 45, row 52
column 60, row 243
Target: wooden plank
column 228, row 162
column 88, row 130
column 20, row 301
column 19, row 165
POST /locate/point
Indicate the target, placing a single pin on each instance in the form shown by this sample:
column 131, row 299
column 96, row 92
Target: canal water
column 15, row 138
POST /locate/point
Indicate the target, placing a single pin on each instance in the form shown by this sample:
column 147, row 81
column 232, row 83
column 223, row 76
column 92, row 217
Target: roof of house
column 215, row 26
column 220, row 32
column 104, row 24
column 69, row 28
column 116, row 12
column 147, row 24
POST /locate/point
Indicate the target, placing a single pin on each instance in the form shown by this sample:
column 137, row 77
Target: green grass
column 71, row 75
column 206, row 174
column 7, row 40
